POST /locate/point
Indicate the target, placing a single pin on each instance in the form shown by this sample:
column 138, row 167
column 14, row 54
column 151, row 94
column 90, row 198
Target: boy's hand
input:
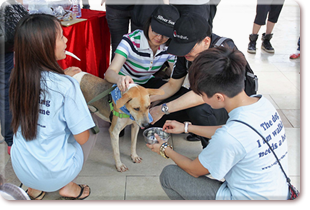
column 155, row 147
column 172, row 126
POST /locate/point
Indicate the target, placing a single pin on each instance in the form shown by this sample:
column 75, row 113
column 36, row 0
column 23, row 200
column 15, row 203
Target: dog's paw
column 136, row 159
column 121, row 168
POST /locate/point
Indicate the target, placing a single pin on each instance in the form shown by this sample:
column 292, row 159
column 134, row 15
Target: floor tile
column 286, row 101
column 293, row 115
column 138, row 188
column 293, row 143
column 275, row 83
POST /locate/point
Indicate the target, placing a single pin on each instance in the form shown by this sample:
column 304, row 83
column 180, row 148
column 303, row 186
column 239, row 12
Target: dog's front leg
column 114, row 130
column 134, row 134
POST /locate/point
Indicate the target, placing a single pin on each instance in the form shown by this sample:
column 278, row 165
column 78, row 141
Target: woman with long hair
column 51, row 141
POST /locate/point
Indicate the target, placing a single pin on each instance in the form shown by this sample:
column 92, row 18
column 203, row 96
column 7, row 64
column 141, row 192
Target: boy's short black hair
column 218, row 70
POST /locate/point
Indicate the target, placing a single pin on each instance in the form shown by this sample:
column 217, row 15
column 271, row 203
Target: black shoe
column 86, row 6
column 266, row 45
column 252, row 44
column 194, row 137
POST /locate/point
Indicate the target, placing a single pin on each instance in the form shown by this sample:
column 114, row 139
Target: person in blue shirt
column 51, row 141
column 235, row 154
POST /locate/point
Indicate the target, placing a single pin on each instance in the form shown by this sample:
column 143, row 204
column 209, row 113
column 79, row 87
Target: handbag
column 11, row 12
column 294, row 193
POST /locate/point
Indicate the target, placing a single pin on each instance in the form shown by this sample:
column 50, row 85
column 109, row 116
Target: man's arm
column 170, row 88
column 188, row 100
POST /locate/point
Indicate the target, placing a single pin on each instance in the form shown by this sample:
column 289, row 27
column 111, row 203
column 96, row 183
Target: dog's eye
column 137, row 109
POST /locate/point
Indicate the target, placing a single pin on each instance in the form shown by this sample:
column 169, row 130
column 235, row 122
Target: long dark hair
column 35, row 42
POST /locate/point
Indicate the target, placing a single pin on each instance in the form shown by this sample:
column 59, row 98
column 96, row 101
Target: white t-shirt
column 54, row 158
column 240, row 156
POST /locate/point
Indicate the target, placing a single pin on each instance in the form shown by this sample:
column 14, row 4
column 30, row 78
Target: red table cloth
column 90, row 41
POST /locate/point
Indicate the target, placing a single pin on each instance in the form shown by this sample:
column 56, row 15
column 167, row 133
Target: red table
column 90, row 41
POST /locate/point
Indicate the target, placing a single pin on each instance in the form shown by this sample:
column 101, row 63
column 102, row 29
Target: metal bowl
column 150, row 138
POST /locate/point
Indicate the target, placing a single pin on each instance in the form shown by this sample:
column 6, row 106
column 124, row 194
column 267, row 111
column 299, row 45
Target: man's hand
column 71, row 71
column 156, row 113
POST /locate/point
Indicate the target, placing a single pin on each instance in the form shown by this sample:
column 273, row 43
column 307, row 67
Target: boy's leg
column 179, row 185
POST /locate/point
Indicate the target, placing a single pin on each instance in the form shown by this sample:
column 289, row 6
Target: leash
column 103, row 94
column 95, row 129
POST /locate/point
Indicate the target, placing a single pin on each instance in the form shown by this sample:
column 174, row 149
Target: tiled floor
column 279, row 81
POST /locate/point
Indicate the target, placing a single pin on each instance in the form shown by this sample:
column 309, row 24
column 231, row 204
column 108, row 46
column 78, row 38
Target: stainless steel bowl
column 150, row 138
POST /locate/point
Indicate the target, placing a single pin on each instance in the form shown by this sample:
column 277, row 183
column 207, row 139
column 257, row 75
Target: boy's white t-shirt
column 240, row 156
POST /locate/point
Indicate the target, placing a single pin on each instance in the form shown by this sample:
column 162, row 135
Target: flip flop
column 79, row 196
column 36, row 198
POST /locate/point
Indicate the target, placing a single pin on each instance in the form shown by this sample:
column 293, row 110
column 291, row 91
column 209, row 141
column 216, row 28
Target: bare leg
column 270, row 26
column 256, row 28
column 35, row 193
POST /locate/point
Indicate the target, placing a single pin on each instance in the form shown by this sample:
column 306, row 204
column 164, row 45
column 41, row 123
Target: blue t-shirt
column 54, row 158
column 240, row 156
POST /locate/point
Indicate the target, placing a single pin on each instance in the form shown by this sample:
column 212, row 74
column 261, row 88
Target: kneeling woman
column 141, row 54
column 47, row 154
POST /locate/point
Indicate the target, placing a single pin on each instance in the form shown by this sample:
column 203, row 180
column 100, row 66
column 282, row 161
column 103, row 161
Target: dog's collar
column 116, row 94
column 115, row 113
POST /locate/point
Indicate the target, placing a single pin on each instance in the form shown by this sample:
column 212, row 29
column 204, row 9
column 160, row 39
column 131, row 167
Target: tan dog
column 137, row 101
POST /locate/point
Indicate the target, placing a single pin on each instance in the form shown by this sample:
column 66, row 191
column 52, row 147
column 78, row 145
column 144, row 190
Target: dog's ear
column 123, row 100
column 155, row 91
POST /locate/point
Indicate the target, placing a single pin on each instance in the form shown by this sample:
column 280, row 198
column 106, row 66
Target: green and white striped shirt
column 140, row 63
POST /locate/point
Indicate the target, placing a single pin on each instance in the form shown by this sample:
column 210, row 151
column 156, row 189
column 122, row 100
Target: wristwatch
column 186, row 126
column 165, row 109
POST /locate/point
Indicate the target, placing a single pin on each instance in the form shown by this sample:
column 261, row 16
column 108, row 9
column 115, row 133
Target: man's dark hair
column 218, row 70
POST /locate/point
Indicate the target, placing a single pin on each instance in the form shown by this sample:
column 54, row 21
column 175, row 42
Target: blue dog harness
column 116, row 95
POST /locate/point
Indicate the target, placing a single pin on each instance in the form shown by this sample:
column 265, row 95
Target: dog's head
column 137, row 101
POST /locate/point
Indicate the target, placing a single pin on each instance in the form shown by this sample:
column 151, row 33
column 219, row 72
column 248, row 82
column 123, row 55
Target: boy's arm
column 189, row 99
column 192, row 167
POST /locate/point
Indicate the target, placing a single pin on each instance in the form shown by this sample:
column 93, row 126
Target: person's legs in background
column 5, row 113
column 274, row 13
column 85, row 4
column 297, row 53
column 260, row 19
column 118, row 22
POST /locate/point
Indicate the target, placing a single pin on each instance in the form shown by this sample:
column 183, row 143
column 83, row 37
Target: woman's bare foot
column 35, row 194
column 73, row 190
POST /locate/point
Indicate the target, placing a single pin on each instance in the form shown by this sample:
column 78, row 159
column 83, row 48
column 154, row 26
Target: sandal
column 79, row 196
column 37, row 197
